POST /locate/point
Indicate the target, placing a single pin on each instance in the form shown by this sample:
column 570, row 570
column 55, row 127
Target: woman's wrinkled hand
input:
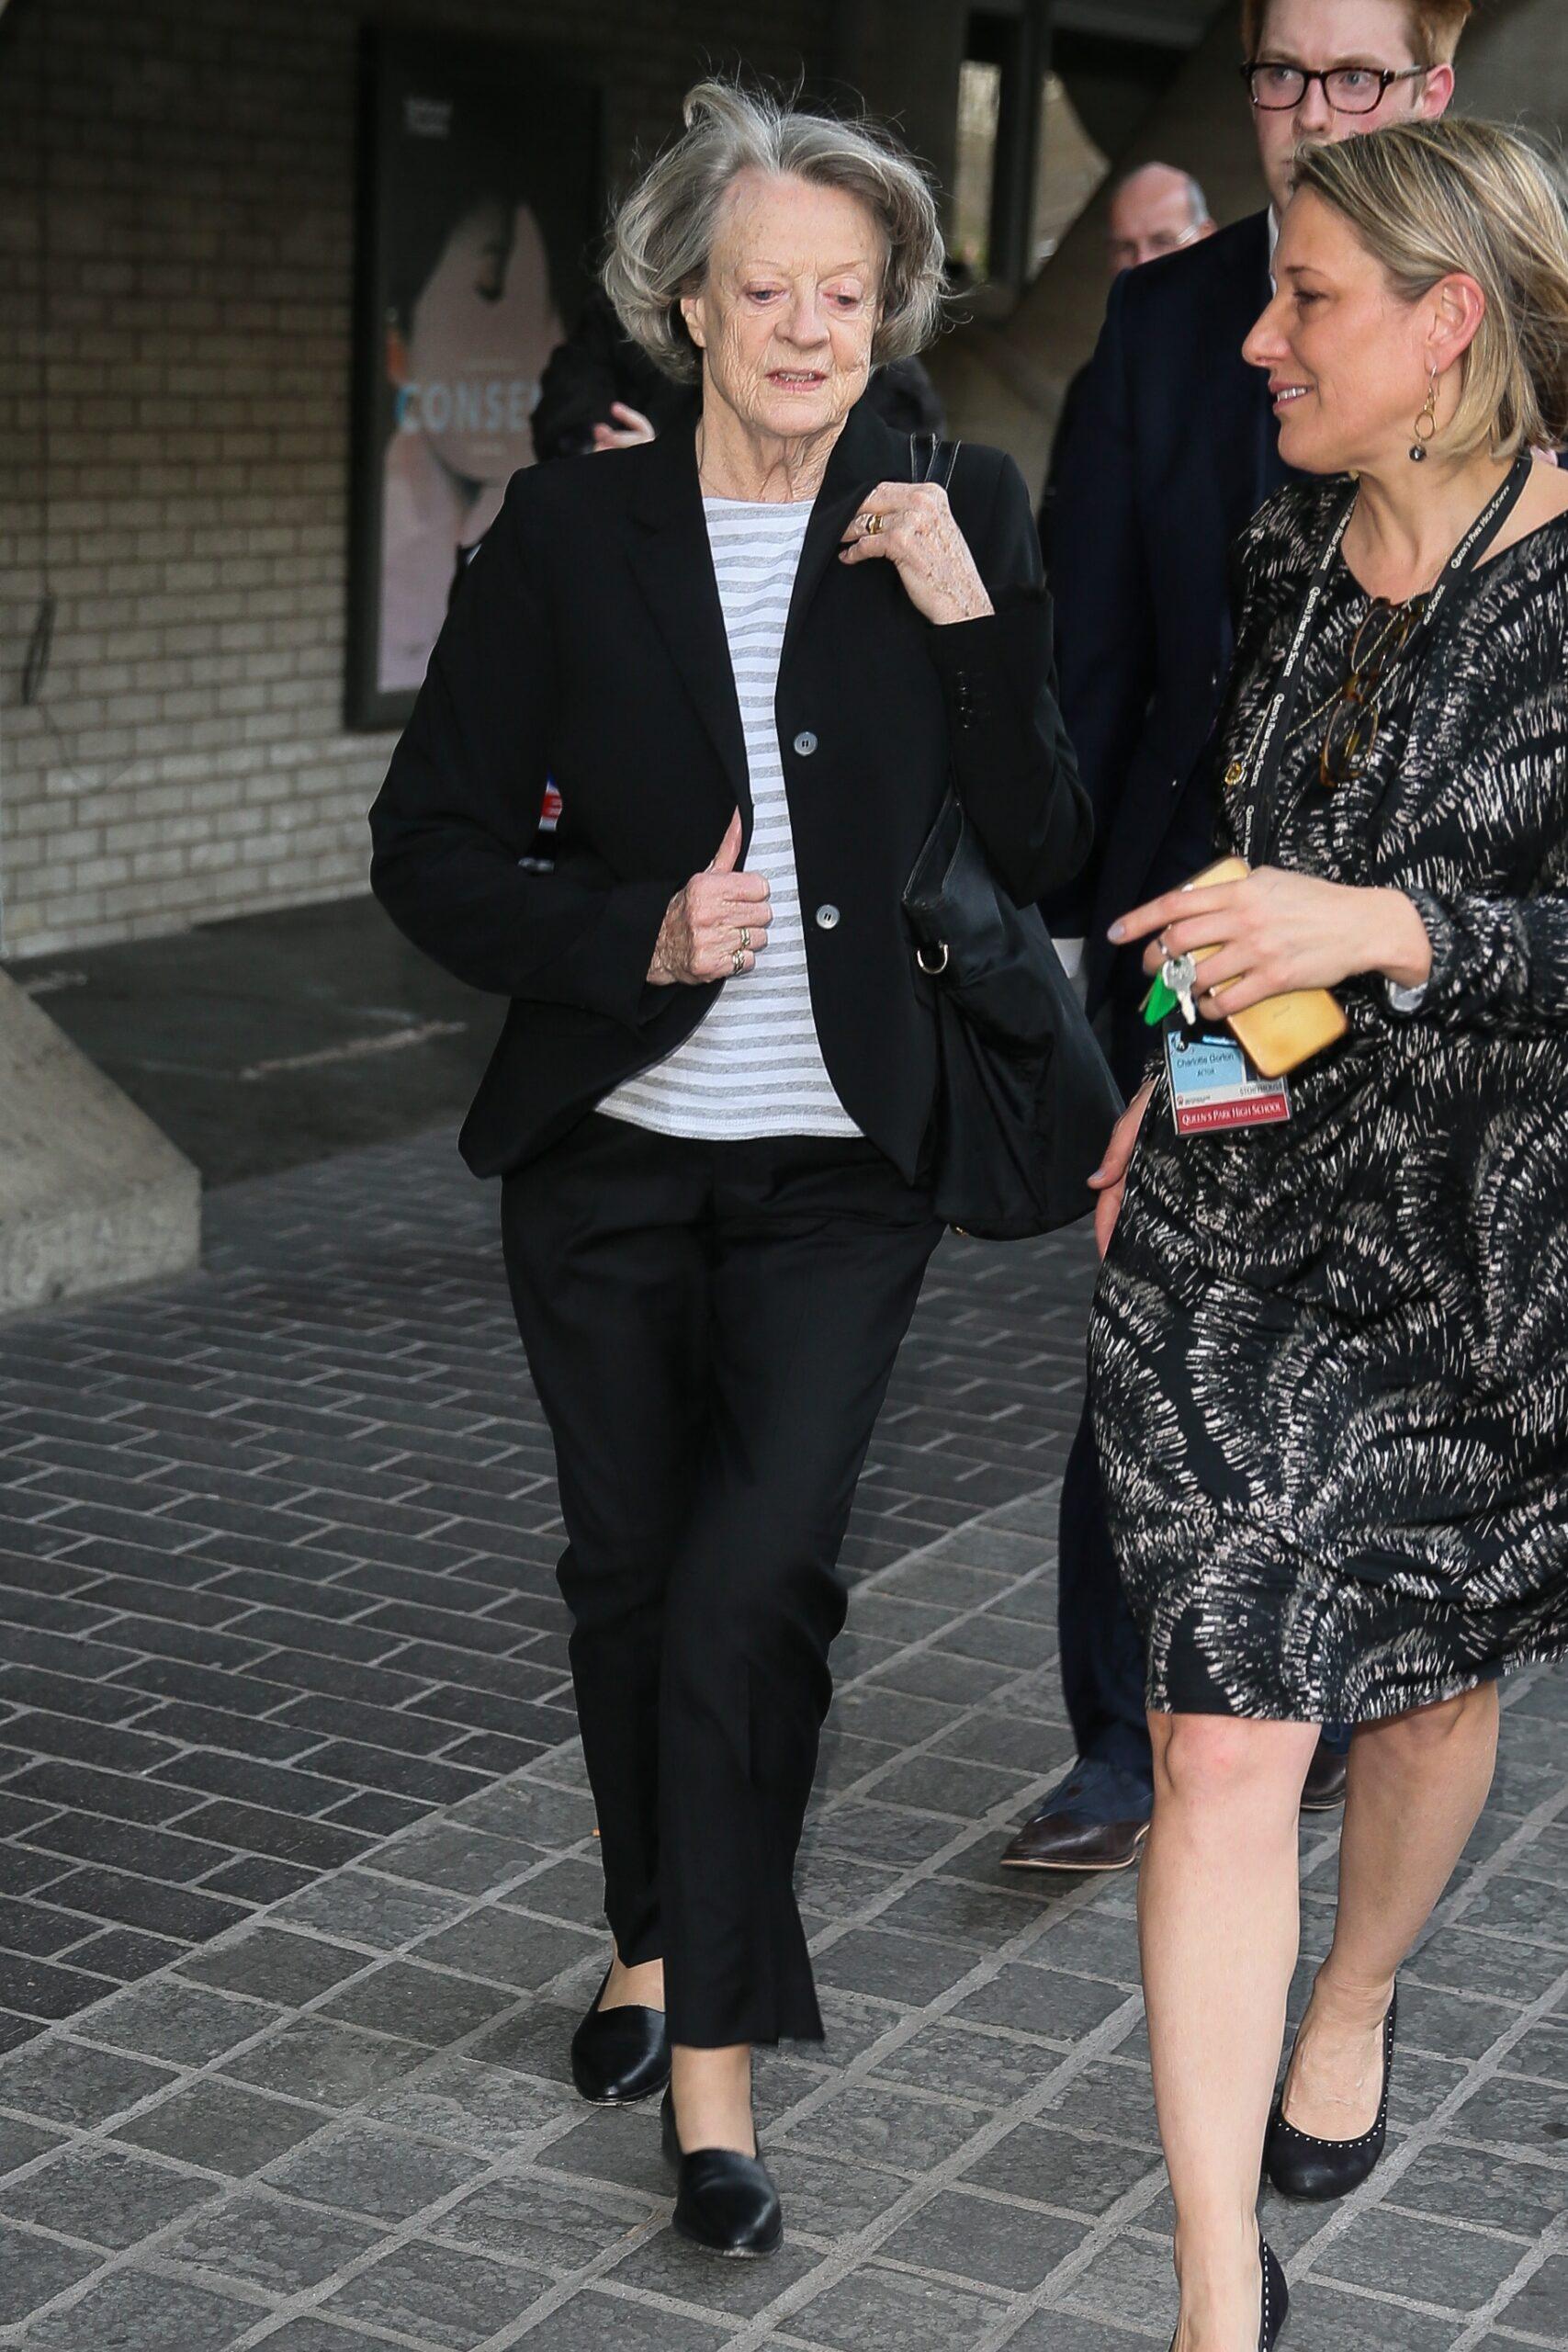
column 1277, row 931
column 630, row 429
column 916, row 531
column 1110, row 1178
column 718, row 926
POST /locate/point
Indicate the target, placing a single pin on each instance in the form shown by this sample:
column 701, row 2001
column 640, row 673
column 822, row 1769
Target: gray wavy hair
column 661, row 238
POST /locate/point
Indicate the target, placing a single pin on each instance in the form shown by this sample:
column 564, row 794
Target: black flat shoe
column 1300, row 2165
column 1276, row 2302
column 724, row 2203
column 620, row 2055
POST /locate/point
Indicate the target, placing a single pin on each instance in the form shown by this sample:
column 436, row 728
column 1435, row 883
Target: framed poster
column 480, row 192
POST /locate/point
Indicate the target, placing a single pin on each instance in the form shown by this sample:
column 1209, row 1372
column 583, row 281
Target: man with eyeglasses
column 1174, row 450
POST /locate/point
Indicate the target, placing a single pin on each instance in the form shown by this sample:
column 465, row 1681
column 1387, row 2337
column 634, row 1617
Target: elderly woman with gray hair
column 753, row 661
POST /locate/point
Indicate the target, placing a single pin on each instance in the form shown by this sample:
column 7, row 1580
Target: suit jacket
column 1172, row 449
column 588, row 646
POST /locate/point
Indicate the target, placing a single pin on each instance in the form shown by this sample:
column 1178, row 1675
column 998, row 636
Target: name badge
column 1213, row 1086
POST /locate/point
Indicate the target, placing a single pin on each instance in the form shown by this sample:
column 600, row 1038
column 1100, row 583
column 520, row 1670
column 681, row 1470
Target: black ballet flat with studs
column 724, row 2203
column 1300, row 2165
column 1276, row 2303
column 619, row 2056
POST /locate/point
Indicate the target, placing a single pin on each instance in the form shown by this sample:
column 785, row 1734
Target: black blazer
column 1171, row 448
column 588, row 646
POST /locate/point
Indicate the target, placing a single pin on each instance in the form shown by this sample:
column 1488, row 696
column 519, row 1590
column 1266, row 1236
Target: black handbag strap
column 932, row 458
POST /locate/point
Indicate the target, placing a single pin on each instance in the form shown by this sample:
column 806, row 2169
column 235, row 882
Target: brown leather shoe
column 1059, row 1841
column 1326, row 1780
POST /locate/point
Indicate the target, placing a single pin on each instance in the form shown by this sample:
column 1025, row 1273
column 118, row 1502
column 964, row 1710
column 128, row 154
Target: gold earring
column 1426, row 425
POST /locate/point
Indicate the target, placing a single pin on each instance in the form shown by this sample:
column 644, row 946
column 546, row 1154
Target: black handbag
column 1025, row 1100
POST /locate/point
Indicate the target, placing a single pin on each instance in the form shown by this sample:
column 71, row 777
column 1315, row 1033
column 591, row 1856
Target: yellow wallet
column 1283, row 1032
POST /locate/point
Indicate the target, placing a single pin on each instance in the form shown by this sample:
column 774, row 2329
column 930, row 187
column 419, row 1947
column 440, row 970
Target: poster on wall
column 479, row 205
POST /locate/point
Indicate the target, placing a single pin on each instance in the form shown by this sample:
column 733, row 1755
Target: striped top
column 753, row 1065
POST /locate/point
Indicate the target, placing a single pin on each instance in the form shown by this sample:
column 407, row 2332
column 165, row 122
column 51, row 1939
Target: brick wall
column 189, row 760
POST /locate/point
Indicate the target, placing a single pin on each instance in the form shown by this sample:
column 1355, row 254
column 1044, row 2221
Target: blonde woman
column 1330, row 1353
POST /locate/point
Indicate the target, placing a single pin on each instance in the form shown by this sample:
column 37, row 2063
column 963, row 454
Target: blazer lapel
column 865, row 453
column 673, row 560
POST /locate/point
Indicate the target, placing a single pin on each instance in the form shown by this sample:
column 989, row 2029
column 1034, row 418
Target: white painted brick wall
column 190, row 761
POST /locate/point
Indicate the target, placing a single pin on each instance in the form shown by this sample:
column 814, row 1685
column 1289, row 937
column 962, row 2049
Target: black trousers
column 711, row 1329
column 1101, row 1649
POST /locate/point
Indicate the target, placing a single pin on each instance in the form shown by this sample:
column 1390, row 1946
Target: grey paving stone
column 990, row 2068
column 909, row 1969
column 441, row 2294
column 1439, row 2262
column 417, row 2003
column 871, row 2124
column 561, row 2226
column 984, row 2240
column 1064, row 2331
column 272, row 2242
column 1325, row 2319
column 1540, row 2304
column 64, row 2082
column 21, row 2142
column 272, row 1965
column 1043, row 2001
column 487, row 2110
column 34, row 2269
column 1055, row 2167
column 599, row 2321
column 459, row 1856
column 336, row 2065
column 536, row 2040
column 1115, row 2101
column 106, row 2195
column 136, row 2311
column 370, row 1909
column 878, row 2305
column 1531, row 2117
column 222, row 2126
column 511, row 1948
column 168, row 2018
column 665, row 2264
column 368, row 2169
column 610, row 2144
column 1507, row 2191
column 314, row 2335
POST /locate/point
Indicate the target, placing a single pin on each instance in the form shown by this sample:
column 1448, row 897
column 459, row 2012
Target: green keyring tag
column 1158, row 1004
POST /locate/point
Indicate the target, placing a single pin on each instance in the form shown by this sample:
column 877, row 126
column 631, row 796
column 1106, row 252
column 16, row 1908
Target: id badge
column 1213, row 1086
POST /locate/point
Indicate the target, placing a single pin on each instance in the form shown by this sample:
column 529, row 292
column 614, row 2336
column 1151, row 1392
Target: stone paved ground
column 298, row 1889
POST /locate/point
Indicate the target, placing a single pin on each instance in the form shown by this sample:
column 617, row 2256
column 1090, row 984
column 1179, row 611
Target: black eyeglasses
column 1349, row 89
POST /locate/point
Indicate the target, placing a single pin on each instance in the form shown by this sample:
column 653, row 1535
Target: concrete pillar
column 93, row 1196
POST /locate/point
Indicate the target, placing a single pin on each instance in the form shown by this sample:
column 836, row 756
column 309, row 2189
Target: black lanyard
column 1268, row 754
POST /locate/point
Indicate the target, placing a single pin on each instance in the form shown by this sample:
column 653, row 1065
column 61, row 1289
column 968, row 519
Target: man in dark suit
column 1172, row 449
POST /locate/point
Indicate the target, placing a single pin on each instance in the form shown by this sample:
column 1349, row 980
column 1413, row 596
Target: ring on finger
column 738, row 961
column 873, row 523
column 745, row 935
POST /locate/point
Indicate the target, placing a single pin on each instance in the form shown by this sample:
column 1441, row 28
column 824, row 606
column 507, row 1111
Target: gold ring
column 745, row 935
column 738, row 961
column 874, row 524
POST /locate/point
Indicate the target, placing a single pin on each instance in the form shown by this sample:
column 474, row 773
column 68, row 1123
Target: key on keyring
column 1179, row 975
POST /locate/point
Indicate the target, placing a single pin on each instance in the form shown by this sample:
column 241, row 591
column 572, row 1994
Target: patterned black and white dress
column 1329, row 1359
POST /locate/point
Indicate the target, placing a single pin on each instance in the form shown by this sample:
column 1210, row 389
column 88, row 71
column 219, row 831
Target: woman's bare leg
column 1418, row 1786
column 634, row 1988
column 713, row 2098
column 1219, row 1920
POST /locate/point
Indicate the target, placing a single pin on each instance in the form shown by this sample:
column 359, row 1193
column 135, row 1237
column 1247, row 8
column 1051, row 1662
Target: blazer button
column 805, row 742
column 827, row 918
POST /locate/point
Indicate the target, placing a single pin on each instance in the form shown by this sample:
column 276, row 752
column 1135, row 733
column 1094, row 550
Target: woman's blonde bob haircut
column 1431, row 199
column 662, row 236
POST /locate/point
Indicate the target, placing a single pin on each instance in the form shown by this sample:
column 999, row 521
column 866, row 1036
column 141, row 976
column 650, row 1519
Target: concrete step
column 93, row 1196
